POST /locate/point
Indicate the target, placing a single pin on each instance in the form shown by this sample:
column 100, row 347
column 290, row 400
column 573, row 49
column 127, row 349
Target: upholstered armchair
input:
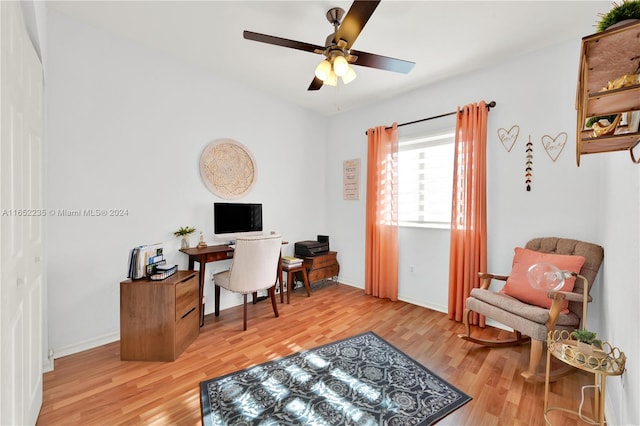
column 254, row 268
column 529, row 312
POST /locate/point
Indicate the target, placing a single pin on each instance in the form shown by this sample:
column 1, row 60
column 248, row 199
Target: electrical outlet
column 411, row 268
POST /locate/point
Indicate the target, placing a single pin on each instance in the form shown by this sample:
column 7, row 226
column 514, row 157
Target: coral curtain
column 381, row 224
column 468, row 248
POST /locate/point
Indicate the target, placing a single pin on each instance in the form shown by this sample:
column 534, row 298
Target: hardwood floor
column 96, row 388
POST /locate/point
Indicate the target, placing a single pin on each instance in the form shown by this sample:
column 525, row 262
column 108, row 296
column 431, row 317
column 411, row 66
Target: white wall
column 618, row 314
column 596, row 202
column 126, row 128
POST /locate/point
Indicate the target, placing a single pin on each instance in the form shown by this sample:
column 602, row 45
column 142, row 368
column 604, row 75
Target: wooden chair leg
column 535, row 355
column 534, row 375
column 272, row 293
column 467, row 322
column 244, row 322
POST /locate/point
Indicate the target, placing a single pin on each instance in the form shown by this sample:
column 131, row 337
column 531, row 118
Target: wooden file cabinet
column 322, row 266
column 158, row 319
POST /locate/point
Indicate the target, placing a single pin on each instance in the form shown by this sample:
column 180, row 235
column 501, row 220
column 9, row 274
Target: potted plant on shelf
column 586, row 341
column 586, row 349
column 628, row 10
column 184, row 232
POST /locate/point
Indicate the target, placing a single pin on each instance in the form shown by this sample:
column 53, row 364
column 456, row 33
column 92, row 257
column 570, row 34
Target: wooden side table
column 291, row 273
column 322, row 266
column 609, row 362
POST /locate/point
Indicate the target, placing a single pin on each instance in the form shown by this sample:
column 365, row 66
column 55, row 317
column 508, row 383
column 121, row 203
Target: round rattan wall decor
column 227, row 168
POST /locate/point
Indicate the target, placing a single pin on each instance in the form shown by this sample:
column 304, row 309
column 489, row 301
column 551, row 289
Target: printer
column 311, row 248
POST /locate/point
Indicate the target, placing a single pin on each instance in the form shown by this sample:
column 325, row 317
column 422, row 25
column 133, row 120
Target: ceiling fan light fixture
column 349, row 76
column 332, row 79
column 340, row 66
column 323, row 70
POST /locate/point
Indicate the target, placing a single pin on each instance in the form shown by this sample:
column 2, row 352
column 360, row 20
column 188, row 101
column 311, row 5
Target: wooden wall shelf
column 606, row 56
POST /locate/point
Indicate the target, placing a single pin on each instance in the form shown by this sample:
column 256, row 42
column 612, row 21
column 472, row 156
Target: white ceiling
column 443, row 38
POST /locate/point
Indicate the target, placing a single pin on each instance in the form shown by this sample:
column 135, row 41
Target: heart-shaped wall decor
column 554, row 146
column 508, row 137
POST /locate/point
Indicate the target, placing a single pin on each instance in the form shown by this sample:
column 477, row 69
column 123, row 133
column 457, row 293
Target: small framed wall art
column 351, row 179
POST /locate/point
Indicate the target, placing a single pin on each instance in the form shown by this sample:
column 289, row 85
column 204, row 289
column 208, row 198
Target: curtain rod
column 489, row 106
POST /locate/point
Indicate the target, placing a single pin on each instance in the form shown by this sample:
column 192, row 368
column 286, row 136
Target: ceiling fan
column 339, row 56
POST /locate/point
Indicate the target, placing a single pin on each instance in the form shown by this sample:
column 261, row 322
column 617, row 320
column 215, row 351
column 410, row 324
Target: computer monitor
column 235, row 219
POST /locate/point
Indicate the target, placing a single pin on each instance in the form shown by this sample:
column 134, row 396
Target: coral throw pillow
column 518, row 286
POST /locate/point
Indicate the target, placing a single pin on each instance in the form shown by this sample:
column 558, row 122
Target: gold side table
column 609, row 361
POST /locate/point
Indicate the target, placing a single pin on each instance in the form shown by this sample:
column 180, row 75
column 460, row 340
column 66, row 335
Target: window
column 425, row 180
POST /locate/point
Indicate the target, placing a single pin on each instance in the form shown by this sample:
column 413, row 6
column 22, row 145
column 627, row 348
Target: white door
column 21, row 355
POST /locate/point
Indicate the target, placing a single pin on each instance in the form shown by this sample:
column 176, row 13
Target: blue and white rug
column 362, row 380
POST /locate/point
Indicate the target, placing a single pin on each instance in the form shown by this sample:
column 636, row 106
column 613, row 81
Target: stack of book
column 142, row 260
column 148, row 261
column 290, row 261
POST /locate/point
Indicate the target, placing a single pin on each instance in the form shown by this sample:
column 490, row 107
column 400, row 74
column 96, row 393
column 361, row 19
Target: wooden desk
column 213, row 254
column 204, row 256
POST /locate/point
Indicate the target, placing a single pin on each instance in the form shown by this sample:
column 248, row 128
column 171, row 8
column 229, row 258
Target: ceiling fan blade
column 382, row 62
column 355, row 20
column 279, row 41
column 316, row 84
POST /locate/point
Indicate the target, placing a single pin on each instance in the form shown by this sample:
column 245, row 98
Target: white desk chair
column 254, row 268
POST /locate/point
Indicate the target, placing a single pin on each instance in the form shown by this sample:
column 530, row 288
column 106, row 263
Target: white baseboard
column 47, row 365
column 86, row 345
column 432, row 306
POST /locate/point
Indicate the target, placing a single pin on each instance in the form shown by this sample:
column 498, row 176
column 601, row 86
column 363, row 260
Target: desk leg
column 305, row 279
column 201, row 274
column 216, row 300
column 192, row 261
column 279, row 278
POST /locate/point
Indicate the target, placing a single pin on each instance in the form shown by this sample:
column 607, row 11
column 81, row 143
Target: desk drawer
column 187, row 329
column 321, row 260
column 186, row 296
column 323, row 273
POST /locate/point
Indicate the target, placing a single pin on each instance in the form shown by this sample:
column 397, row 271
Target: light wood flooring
column 96, row 388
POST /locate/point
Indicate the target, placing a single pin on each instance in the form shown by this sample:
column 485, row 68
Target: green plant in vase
column 628, row 9
column 588, row 340
column 184, row 232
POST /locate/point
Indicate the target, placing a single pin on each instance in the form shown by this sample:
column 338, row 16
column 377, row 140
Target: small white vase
column 621, row 23
column 184, row 243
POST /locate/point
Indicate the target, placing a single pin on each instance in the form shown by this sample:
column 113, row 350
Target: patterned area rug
column 362, row 380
